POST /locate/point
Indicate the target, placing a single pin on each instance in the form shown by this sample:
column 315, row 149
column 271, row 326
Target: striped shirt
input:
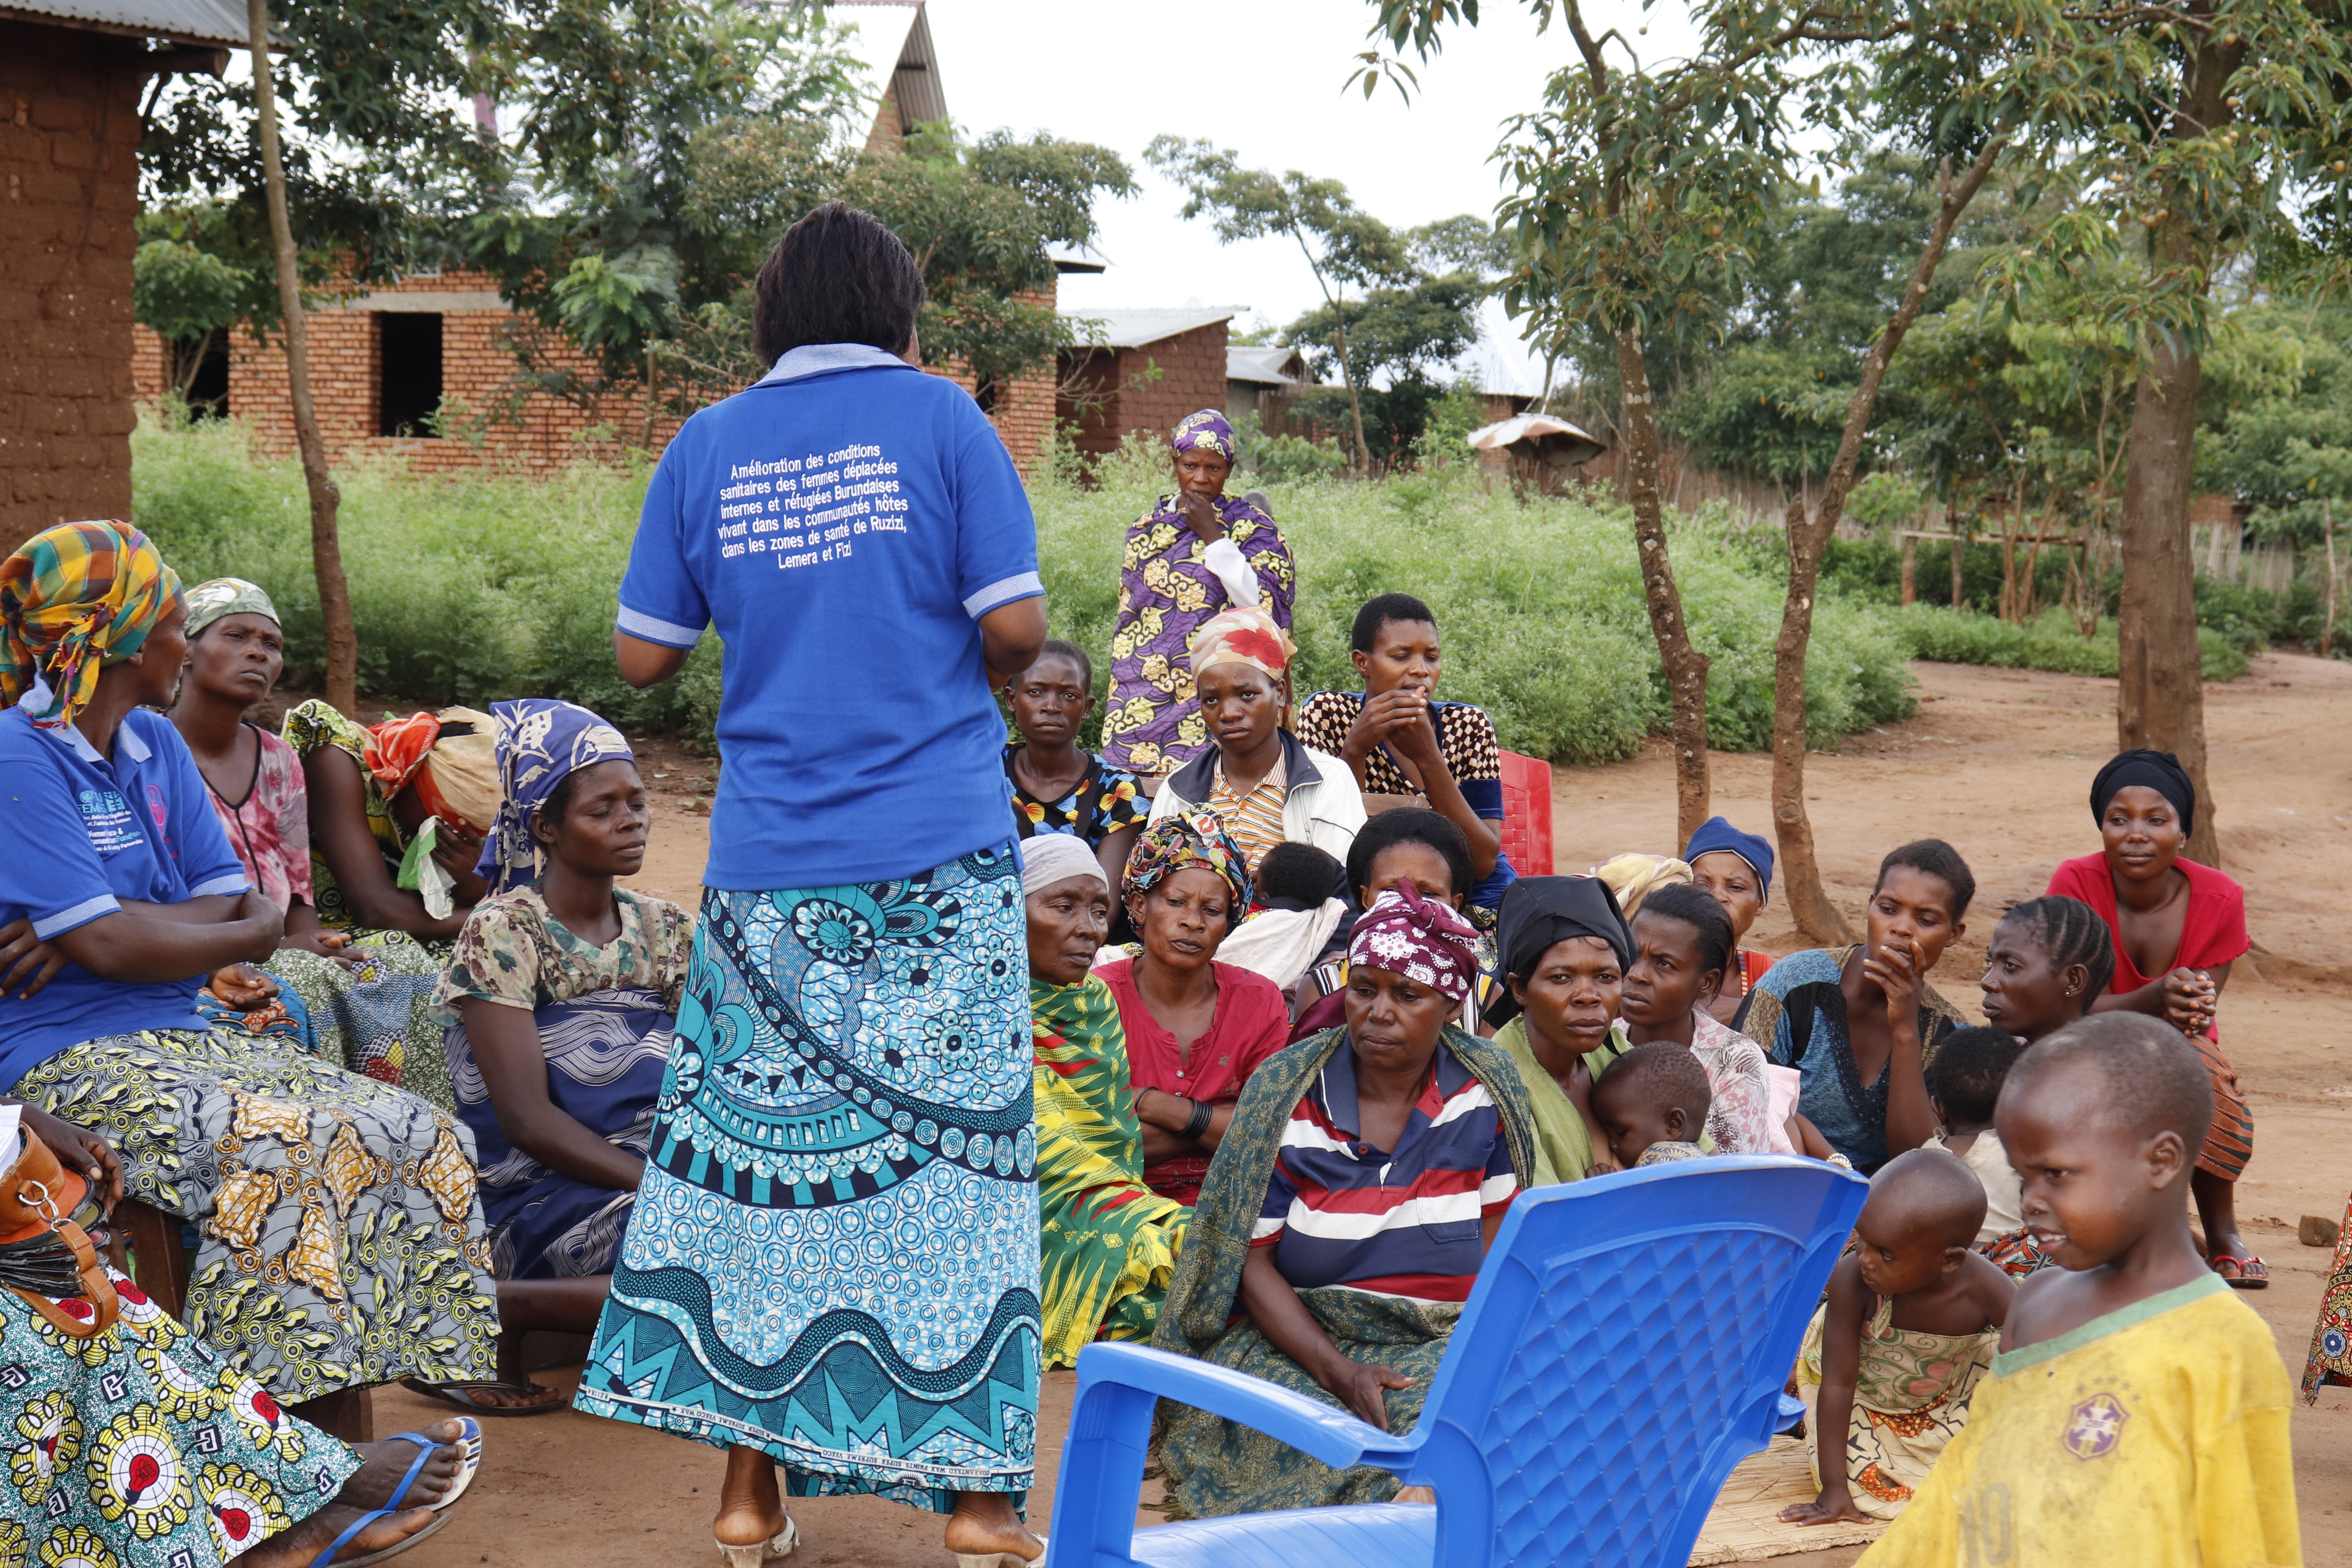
column 1255, row 819
column 1339, row 1211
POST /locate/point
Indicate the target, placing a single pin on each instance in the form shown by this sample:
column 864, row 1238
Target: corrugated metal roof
column 891, row 39
column 1263, row 366
column 184, row 21
column 1114, row 329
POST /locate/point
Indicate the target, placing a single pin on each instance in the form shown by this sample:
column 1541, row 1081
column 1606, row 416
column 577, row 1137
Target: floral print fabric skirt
column 140, row 1448
column 834, row 1257
column 340, row 1238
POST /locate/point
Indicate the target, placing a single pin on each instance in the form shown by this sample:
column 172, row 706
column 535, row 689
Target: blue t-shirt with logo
column 83, row 834
column 843, row 525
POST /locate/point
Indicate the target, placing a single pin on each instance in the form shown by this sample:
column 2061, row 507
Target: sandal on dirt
column 328, row 1556
column 468, row 1444
column 2235, row 1275
column 456, row 1394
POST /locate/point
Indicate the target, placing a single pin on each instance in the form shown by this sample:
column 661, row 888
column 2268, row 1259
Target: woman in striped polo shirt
column 1346, row 1214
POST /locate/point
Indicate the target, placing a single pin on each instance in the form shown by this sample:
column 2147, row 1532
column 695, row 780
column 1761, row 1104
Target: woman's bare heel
column 1004, row 1540
column 999, row 1559
column 780, row 1544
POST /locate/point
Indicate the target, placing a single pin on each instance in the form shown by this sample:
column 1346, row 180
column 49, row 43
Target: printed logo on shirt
column 2097, row 1423
column 157, row 807
column 109, row 820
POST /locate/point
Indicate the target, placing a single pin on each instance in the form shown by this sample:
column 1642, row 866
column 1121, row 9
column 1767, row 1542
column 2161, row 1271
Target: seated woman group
column 359, row 996
column 339, row 1233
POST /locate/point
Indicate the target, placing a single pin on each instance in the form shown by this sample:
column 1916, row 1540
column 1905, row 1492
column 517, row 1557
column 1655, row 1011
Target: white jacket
column 1322, row 805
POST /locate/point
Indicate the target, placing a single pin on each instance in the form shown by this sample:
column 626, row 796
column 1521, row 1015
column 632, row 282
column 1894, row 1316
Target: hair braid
column 2071, row 933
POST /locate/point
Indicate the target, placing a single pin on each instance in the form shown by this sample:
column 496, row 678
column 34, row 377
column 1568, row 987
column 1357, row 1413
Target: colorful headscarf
column 1207, row 429
column 1631, row 877
column 1243, row 634
column 1050, row 857
column 222, row 596
column 1418, row 938
column 451, row 756
column 1717, row 834
column 2159, row 771
column 72, row 598
column 1190, row 839
column 539, row 742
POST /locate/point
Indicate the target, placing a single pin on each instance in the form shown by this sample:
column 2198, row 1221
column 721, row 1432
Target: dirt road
column 1998, row 762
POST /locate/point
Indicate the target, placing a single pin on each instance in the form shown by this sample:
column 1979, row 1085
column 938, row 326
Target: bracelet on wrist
column 1203, row 1112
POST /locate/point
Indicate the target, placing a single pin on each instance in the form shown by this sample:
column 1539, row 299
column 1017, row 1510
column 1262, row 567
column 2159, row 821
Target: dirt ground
column 1998, row 762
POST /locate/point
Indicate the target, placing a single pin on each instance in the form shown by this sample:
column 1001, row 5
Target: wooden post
column 1910, row 561
column 1960, row 540
column 2327, row 531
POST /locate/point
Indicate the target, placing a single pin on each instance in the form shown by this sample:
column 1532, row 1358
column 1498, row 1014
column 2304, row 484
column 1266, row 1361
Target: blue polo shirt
column 83, row 834
column 843, row 525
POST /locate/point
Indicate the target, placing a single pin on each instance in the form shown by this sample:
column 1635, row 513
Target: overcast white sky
column 1263, row 77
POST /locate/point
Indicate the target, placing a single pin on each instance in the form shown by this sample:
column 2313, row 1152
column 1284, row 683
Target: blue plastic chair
column 1625, row 1346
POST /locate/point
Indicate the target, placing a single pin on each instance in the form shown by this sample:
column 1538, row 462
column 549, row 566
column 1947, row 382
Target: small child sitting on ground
column 1652, row 1104
column 1905, row 1332
column 2137, row 1411
column 1964, row 1084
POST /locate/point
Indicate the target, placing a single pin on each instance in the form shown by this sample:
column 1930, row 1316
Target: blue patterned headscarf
column 1207, row 428
column 540, row 742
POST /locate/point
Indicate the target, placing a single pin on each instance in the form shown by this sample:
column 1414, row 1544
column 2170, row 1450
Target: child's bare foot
column 1823, row 1509
column 371, row 1484
column 295, row 1546
column 985, row 1532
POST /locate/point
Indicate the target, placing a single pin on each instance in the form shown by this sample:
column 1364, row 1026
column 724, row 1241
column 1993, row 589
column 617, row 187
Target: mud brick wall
column 68, row 196
column 1191, row 377
column 476, row 370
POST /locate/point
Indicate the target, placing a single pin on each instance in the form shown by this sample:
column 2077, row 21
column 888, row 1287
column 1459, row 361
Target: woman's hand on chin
column 1359, row 1386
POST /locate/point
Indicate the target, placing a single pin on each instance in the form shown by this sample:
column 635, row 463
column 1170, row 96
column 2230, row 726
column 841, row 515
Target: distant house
column 1139, row 370
column 385, row 363
column 70, row 75
column 1258, row 381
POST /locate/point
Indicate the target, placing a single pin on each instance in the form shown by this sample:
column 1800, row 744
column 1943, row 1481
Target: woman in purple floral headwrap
column 1197, row 553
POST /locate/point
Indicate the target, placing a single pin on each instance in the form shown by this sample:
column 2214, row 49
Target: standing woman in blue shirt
column 340, row 1238
column 840, row 1185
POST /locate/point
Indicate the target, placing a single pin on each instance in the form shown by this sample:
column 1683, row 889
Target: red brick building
column 1140, row 369
column 71, row 76
column 384, row 365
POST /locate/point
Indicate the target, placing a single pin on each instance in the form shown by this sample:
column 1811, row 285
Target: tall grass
column 497, row 585
column 1540, row 606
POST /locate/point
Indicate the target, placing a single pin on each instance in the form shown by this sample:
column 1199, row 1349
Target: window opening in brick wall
column 199, row 368
column 983, row 393
column 408, row 372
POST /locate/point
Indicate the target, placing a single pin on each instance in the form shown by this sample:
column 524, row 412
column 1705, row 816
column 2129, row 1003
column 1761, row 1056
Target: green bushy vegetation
column 2052, row 642
column 500, row 584
column 1541, row 605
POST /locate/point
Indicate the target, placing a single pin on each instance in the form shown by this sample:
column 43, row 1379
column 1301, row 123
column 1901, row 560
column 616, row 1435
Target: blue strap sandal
column 468, row 1444
column 352, row 1531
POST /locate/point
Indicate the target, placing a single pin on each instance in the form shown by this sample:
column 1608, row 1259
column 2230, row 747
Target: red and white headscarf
column 1420, row 939
column 1243, row 634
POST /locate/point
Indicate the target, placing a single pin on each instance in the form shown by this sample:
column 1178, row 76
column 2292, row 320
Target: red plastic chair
column 1526, row 814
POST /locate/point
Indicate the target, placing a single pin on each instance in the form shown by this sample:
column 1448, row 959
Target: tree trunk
column 1809, row 901
column 1685, row 666
column 1355, row 405
column 326, row 543
column 2160, row 698
column 1910, row 566
column 1960, row 545
column 2327, row 532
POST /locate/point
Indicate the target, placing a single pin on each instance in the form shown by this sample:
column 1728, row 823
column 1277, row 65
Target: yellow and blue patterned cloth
column 72, row 598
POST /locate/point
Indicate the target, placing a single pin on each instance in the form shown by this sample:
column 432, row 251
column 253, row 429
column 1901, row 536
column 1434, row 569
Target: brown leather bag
column 37, row 1238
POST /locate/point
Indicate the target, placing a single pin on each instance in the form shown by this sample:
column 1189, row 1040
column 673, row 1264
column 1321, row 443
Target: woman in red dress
column 2177, row 928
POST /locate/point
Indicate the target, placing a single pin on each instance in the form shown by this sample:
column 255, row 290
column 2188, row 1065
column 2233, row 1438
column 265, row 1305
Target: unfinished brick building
column 385, row 363
column 70, row 75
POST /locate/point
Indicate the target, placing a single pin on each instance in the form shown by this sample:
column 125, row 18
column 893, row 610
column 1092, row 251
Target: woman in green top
column 1565, row 951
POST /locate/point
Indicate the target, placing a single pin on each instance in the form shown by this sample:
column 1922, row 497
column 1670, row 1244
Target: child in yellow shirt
column 1905, row 1332
column 2137, row 1413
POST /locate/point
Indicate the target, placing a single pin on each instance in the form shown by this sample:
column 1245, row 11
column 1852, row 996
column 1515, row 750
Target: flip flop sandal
column 468, row 1444
column 328, row 1556
column 455, row 1393
column 2241, row 1281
